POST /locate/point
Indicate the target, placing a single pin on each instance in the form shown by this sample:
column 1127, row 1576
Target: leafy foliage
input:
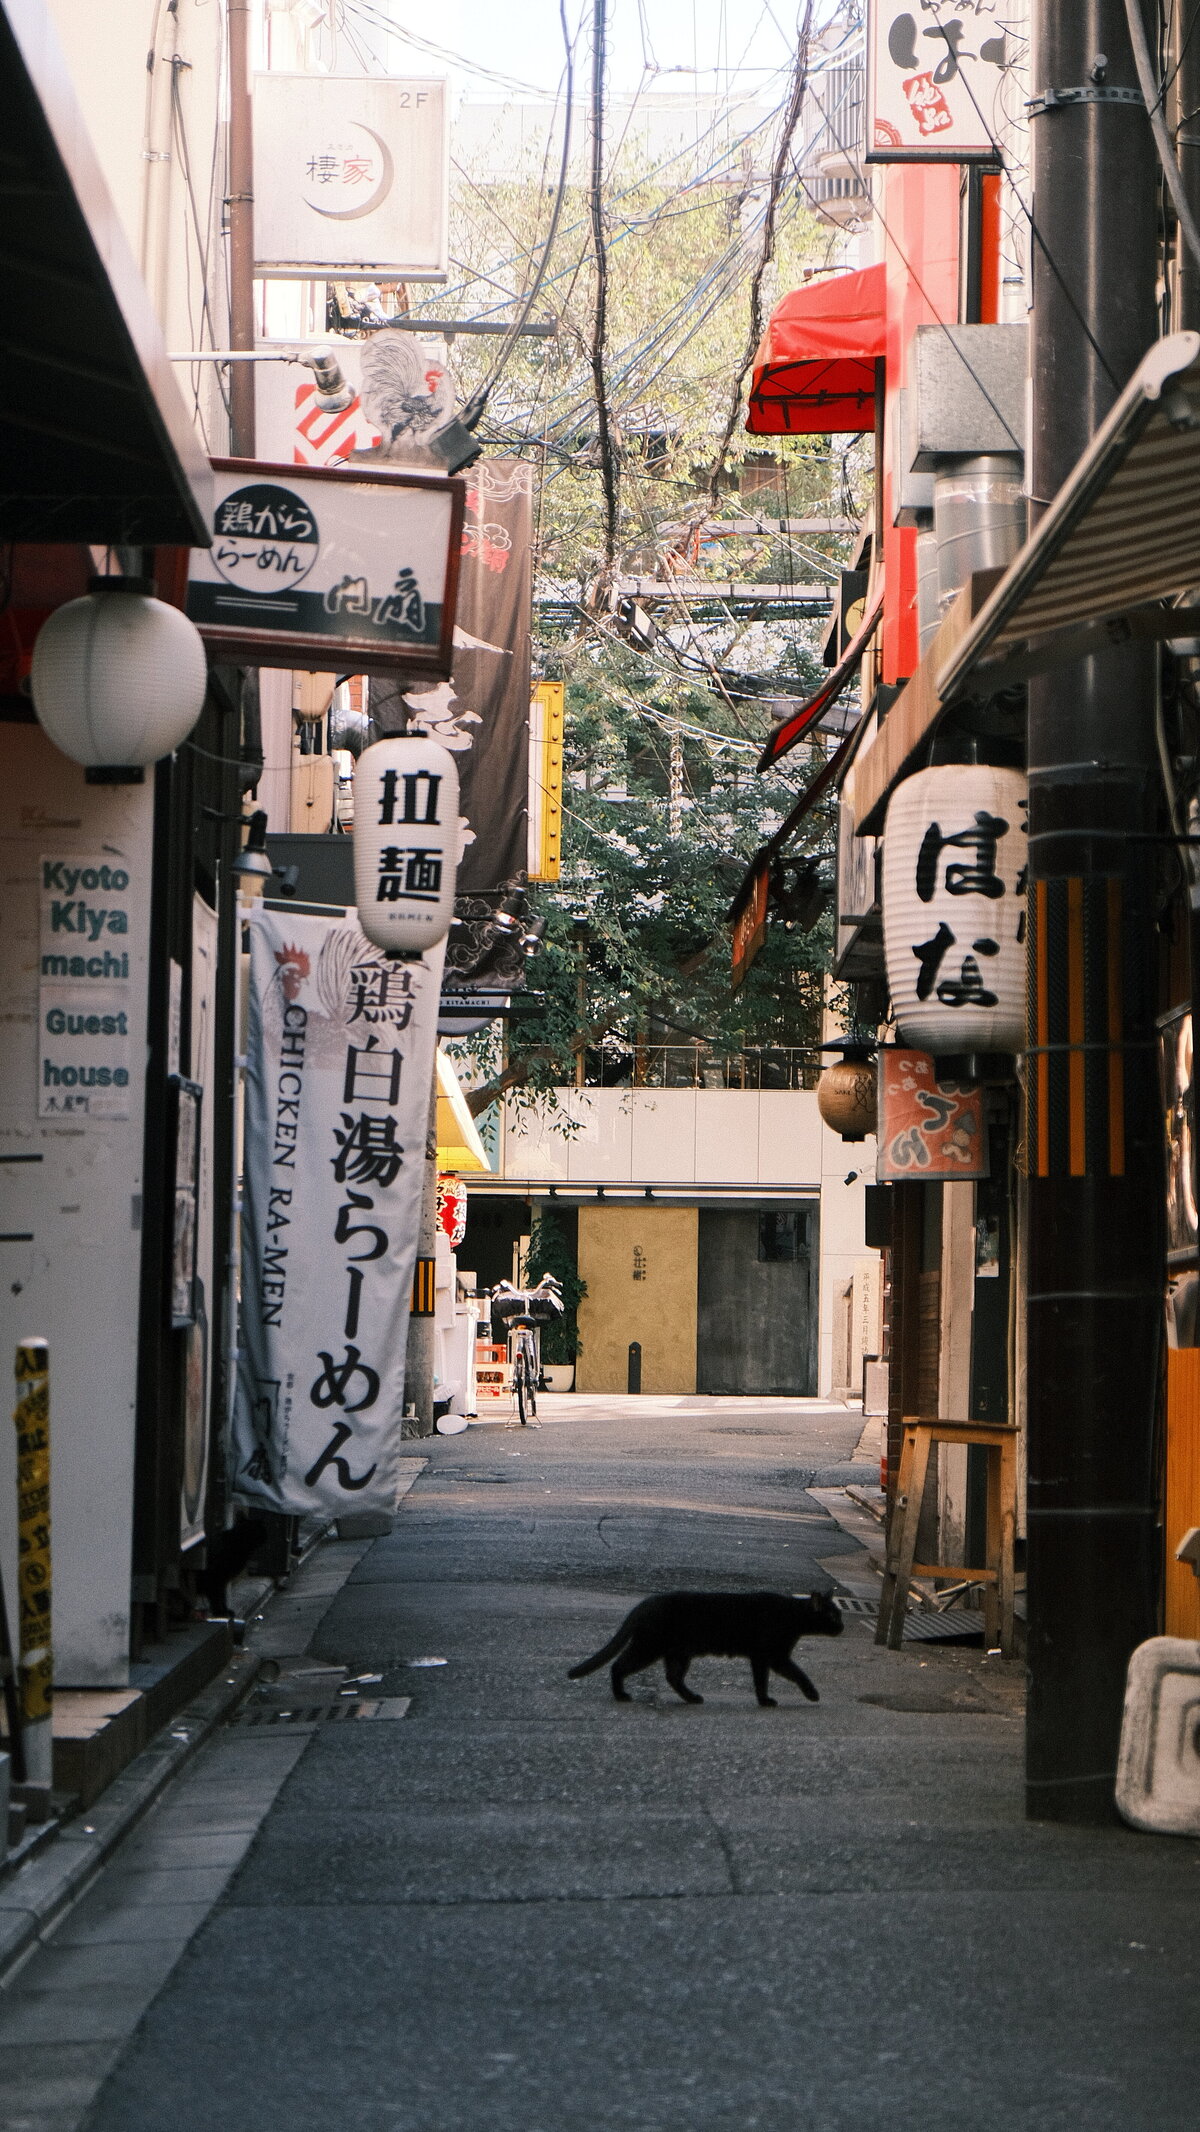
column 637, row 941
column 550, row 1251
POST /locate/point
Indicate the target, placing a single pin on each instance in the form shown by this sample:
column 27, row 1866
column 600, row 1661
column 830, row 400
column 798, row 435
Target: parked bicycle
column 523, row 1311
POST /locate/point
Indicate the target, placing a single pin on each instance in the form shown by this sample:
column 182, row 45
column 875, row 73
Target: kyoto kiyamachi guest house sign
column 942, row 79
column 351, row 175
column 327, row 569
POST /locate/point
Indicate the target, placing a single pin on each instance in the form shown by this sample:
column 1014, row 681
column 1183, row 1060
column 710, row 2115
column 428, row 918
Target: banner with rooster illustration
column 339, row 1070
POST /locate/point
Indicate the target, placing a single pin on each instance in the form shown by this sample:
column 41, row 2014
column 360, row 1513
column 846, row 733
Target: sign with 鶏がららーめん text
column 943, row 84
column 340, row 1069
column 84, row 986
column 330, row 569
column 927, row 1129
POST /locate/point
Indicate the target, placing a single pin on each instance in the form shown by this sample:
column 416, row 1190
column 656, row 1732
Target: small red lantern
column 452, row 1208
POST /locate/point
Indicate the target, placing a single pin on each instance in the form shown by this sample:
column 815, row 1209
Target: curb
column 38, row 1893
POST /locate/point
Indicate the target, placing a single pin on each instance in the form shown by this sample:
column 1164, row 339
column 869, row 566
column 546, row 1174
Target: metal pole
column 1096, row 1186
column 1183, row 116
column 241, row 232
column 422, row 1332
column 36, row 1672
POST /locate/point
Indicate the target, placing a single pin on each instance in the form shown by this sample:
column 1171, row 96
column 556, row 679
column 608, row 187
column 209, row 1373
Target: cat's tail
column 601, row 1658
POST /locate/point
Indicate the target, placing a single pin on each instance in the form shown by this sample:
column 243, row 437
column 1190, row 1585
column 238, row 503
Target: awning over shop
column 95, row 440
column 1116, row 557
column 814, row 373
column 1119, row 542
column 459, row 1146
column 802, row 721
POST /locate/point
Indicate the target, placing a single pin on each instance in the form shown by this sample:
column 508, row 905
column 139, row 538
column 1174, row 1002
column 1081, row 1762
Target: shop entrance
column 757, row 1300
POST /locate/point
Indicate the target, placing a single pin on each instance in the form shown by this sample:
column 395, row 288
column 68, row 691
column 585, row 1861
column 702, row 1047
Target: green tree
column 551, row 1251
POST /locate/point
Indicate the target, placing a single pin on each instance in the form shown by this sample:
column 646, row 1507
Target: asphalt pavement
column 498, row 1901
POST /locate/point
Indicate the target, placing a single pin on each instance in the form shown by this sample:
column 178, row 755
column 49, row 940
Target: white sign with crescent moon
column 350, row 176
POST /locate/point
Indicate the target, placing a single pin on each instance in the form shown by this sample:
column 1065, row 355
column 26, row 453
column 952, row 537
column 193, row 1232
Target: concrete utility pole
column 1096, row 1186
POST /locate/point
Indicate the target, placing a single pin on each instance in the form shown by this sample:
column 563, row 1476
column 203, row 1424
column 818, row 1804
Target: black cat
column 227, row 1554
column 680, row 1626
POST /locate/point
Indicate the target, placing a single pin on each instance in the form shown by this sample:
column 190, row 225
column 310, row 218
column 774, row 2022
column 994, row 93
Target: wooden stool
column 921, row 1432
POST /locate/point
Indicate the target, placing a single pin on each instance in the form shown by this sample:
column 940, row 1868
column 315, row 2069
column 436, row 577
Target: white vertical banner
column 340, row 1067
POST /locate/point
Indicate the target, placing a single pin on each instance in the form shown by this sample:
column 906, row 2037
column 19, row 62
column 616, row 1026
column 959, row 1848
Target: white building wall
column 145, row 146
column 736, row 1144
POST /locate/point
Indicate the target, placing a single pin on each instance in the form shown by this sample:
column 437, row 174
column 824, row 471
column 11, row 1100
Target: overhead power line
column 783, row 149
column 608, row 467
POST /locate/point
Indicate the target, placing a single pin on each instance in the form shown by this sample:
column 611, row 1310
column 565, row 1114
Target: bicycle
column 523, row 1311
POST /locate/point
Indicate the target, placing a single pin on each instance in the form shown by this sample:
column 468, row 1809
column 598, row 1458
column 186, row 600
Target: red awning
column 794, row 728
column 815, row 368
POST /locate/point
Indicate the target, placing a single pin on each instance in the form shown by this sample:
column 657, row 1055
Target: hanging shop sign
column 750, row 928
column 85, row 989
column 927, row 1129
column 940, row 86
column 954, row 872
column 341, row 1048
column 405, row 842
column 546, row 714
column 482, row 713
column 330, row 569
column 351, row 176
column 452, row 1208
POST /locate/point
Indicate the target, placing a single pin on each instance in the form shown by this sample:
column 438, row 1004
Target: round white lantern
column 954, row 872
column 118, row 677
column 405, row 842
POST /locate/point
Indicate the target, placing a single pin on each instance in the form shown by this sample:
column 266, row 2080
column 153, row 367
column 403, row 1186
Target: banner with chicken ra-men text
column 340, row 1065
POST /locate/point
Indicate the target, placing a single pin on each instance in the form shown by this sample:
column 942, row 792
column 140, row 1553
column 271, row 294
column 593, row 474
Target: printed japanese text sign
column 341, row 1049
column 347, row 569
column 941, row 75
column 926, row 1131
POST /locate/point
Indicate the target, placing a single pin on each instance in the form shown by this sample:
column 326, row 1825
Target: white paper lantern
column 405, row 842
column 954, row 871
column 118, row 677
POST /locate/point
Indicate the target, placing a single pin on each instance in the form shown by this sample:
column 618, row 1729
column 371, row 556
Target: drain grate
column 920, row 1627
column 367, row 1707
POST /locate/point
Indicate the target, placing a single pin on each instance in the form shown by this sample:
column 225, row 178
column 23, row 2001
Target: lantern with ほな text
column 954, row 874
column 405, row 842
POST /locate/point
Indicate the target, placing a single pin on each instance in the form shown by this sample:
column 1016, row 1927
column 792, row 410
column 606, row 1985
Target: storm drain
column 919, row 1626
column 366, row 1708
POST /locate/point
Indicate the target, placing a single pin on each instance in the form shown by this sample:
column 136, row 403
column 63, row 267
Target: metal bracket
column 1090, row 93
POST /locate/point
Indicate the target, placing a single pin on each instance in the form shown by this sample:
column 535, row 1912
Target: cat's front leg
column 762, row 1677
column 791, row 1671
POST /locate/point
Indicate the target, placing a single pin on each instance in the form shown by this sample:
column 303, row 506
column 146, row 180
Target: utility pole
column 241, row 232
column 1096, row 1185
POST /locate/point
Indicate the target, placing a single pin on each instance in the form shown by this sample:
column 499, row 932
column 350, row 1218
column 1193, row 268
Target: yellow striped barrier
column 32, row 1418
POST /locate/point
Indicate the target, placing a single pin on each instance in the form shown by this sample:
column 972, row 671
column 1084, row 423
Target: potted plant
column 552, row 1250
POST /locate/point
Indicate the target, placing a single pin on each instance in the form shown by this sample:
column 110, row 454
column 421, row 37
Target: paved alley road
column 525, row 1908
